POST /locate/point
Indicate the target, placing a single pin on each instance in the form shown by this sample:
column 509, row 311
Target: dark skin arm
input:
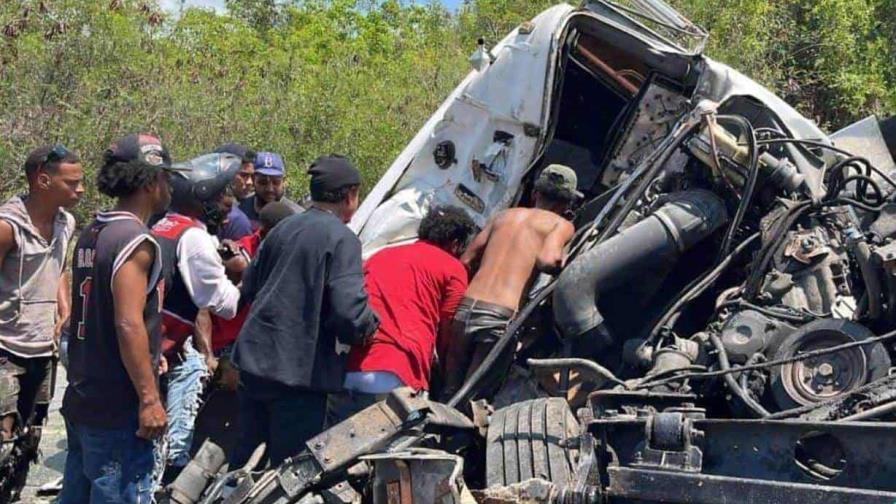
column 202, row 338
column 129, row 292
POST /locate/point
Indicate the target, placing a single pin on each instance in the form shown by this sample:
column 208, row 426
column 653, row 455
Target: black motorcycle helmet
column 199, row 182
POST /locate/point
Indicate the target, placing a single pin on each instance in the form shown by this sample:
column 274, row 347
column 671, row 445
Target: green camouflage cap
column 560, row 176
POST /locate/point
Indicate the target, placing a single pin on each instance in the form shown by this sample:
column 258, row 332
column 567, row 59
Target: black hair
column 246, row 154
column 273, row 213
column 334, row 196
column 37, row 159
column 446, row 224
column 121, row 179
column 554, row 193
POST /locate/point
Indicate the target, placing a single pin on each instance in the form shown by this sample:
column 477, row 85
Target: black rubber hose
column 657, row 240
column 863, row 183
column 647, row 166
column 749, row 187
column 744, row 395
column 870, row 278
column 583, row 366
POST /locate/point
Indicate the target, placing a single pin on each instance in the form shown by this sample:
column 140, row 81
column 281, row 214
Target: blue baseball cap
column 269, row 163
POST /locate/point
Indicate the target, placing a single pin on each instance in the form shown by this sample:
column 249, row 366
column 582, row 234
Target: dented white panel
column 504, row 97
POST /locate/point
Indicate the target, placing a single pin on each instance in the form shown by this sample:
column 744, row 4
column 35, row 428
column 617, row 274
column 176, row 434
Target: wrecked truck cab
column 722, row 329
column 590, row 87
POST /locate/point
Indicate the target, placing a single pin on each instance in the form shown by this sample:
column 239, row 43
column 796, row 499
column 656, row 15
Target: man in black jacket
column 306, row 287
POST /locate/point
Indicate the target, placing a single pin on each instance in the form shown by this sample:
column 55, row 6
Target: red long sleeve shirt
column 413, row 288
column 224, row 332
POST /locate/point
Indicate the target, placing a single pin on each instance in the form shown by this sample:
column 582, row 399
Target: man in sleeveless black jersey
column 112, row 407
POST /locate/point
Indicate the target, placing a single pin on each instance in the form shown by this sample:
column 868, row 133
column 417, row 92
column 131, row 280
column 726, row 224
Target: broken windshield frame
column 655, row 19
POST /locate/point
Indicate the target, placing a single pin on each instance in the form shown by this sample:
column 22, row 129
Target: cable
column 771, row 132
column 822, row 145
column 767, row 253
column 795, row 316
column 732, row 383
column 886, row 381
column 647, row 178
column 577, row 364
column 750, row 185
column 779, row 362
column 863, row 183
column 697, row 287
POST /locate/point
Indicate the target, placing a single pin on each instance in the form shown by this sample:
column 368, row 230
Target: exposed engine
column 778, row 270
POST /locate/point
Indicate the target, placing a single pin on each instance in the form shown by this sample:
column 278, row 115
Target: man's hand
column 211, row 362
column 228, row 249
column 152, row 421
column 163, row 365
column 230, row 377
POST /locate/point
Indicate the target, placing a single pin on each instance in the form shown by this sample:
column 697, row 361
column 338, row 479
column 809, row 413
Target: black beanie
column 329, row 173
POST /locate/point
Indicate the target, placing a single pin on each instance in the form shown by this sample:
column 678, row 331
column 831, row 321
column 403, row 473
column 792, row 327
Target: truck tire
column 528, row 440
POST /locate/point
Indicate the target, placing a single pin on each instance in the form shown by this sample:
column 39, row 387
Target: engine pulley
column 823, row 377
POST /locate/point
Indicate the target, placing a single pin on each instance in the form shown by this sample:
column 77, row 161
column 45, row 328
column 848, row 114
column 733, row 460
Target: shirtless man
column 514, row 245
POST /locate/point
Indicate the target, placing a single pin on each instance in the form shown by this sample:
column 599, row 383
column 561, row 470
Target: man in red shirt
column 415, row 290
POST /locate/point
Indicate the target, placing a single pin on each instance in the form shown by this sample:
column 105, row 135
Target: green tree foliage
column 358, row 77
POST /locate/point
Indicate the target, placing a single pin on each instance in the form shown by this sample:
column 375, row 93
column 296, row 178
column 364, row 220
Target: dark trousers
column 282, row 417
column 346, row 403
column 477, row 325
column 26, row 386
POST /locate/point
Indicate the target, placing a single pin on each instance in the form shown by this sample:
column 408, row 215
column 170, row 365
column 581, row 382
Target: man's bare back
column 511, row 247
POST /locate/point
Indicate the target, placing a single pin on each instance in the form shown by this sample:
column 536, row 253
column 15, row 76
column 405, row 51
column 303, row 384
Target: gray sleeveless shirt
column 29, row 278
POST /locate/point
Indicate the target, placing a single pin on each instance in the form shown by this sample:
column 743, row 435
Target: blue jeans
column 183, row 385
column 106, row 466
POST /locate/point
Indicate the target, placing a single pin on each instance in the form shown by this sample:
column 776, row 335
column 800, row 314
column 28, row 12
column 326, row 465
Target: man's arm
column 202, row 339
column 237, row 262
column 550, row 258
column 454, row 291
column 7, row 240
column 204, row 276
column 350, row 317
column 129, row 285
column 474, row 250
column 63, row 306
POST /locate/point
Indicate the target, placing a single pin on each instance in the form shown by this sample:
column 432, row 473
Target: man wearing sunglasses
column 34, row 234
